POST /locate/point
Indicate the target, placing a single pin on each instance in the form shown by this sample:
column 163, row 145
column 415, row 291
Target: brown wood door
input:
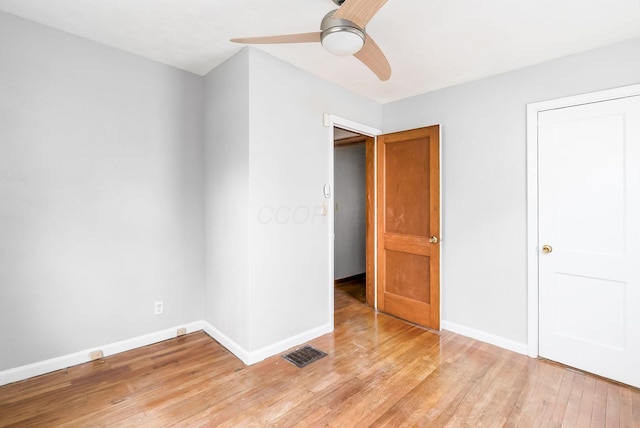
column 409, row 225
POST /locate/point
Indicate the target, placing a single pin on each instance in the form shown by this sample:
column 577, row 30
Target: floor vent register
column 304, row 356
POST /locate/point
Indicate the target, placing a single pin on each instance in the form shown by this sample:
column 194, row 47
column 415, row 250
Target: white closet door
column 589, row 219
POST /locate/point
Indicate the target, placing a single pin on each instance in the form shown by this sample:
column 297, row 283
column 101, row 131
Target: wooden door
column 409, row 225
column 589, row 237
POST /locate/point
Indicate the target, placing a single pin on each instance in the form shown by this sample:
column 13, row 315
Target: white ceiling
column 430, row 44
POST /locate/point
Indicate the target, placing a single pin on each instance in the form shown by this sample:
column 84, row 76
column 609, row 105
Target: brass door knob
column 433, row 239
column 547, row 249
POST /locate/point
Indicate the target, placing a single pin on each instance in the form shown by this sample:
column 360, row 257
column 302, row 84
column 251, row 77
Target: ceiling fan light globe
column 343, row 41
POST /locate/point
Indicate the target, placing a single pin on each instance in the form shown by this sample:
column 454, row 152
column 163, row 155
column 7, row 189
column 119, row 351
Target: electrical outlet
column 159, row 307
column 182, row 331
column 96, row 355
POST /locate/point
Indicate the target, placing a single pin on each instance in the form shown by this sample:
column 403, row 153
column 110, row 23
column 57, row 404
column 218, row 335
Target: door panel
column 408, row 216
column 589, row 214
column 403, row 270
column 407, row 167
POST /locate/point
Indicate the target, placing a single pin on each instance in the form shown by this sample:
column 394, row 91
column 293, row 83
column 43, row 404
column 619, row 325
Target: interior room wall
column 290, row 162
column 350, row 210
column 226, row 198
column 101, row 189
column 265, row 188
column 484, row 240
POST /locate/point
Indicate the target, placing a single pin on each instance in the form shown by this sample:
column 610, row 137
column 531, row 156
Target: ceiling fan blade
column 371, row 55
column 359, row 11
column 285, row 38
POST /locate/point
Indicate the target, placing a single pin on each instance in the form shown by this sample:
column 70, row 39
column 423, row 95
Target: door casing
column 532, row 193
column 331, row 121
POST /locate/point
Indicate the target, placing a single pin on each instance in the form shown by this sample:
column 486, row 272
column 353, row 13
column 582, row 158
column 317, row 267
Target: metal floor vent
column 304, row 356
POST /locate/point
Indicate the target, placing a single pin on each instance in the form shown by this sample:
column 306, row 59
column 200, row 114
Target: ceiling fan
column 342, row 32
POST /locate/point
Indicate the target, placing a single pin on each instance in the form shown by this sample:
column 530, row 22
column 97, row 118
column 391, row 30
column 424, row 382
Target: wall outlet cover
column 158, row 308
column 96, row 355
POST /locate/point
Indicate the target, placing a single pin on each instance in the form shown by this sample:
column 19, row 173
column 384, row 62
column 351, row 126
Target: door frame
column 533, row 110
column 330, row 121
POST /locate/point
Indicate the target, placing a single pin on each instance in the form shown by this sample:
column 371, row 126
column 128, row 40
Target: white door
column 589, row 217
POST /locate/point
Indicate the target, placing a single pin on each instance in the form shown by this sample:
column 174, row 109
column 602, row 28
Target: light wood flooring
column 380, row 371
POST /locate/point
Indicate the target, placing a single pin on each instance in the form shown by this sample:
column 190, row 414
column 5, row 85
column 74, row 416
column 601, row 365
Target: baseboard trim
column 42, row 367
column 231, row 345
column 352, row 278
column 253, row 357
column 520, row 348
column 51, row 365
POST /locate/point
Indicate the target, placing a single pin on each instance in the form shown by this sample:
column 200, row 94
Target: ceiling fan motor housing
column 341, row 36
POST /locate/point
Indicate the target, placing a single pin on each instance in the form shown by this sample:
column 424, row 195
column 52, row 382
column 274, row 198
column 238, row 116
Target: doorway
column 350, row 129
column 350, row 211
column 403, row 221
column 354, row 220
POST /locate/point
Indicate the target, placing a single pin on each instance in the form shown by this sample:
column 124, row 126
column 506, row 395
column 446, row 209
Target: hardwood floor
column 380, row 371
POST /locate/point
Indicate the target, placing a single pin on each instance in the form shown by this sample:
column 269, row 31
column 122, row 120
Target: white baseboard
column 252, row 357
column 520, row 348
column 58, row 363
column 247, row 357
column 231, row 345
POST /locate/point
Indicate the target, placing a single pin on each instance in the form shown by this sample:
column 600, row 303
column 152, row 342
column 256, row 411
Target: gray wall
column 351, row 210
column 290, row 157
column 227, row 199
column 275, row 277
column 484, row 178
column 101, row 207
